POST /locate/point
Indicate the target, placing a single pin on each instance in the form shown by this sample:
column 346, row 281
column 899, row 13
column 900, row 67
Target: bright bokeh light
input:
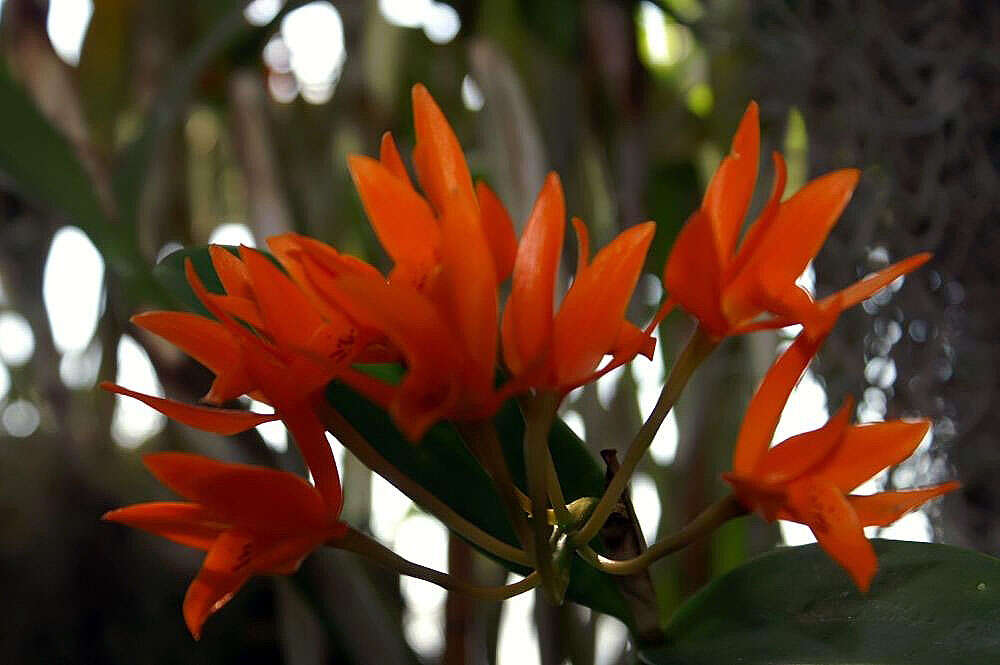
column 262, row 12
column 472, row 96
column 72, row 288
column 67, row 26
column 662, row 41
column 134, row 422
column 389, row 508
column 439, row 20
column 610, row 640
column 607, row 386
column 4, row 382
column 232, row 234
column 425, row 541
column 517, row 640
column 17, row 341
column 805, row 410
column 646, row 501
column 274, row 433
column 575, row 422
column 78, row 369
column 21, row 418
column 314, row 35
column 649, row 378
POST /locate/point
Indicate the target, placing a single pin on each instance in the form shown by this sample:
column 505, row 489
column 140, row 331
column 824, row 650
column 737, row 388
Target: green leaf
column 928, row 603
column 41, row 161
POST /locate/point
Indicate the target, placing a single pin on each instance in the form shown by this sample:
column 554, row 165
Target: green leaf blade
column 929, row 603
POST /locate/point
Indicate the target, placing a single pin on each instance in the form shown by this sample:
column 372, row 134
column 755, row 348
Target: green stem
column 541, row 410
column 355, row 541
column 697, row 349
column 710, row 519
column 483, row 438
column 364, row 451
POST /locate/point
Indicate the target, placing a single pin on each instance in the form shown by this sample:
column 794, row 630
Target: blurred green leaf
column 105, row 66
column 929, row 604
column 42, row 162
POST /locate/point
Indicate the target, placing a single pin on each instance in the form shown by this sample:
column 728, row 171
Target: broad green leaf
column 441, row 463
column 105, row 67
column 929, row 603
column 41, row 161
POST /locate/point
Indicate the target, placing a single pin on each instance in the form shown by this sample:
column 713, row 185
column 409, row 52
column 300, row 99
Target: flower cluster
column 291, row 321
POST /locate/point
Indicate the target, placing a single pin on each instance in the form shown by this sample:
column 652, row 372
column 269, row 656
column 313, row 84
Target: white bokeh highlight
column 72, row 289
column 133, row 422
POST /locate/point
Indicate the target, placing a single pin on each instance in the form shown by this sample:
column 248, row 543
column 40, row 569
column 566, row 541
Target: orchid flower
column 808, row 478
column 729, row 285
column 249, row 520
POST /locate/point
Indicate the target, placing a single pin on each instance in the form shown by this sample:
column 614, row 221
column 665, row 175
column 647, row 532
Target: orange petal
column 590, row 317
column 793, row 239
column 499, row 230
column 438, row 157
column 206, row 341
column 693, row 273
column 797, row 455
column 867, row 449
column 759, row 228
column 231, row 271
column 260, row 499
column 633, row 340
column 244, row 309
column 884, row 508
column 527, row 319
column 189, row 524
column 468, row 277
column 210, row 419
column 827, row 512
column 310, row 438
column 403, row 222
column 217, row 582
column 290, row 249
column 728, row 195
column 414, row 326
column 289, row 317
column 765, row 408
column 390, row 158
column 873, row 283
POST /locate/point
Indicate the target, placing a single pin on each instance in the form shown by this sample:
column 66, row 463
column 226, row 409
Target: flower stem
column 482, row 436
column 539, row 414
column 338, row 425
column 710, row 519
column 697, row 349
column 355, row 541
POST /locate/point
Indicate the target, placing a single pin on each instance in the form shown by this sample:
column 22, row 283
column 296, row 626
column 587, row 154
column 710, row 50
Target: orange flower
column 250, row 520
column 297, row 349
column 439, row 306
column 728, row 284
column 561, row 353
column 808, row 478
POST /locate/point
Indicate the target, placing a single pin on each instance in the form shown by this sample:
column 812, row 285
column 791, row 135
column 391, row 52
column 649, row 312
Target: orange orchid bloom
column 726, row 284
column 808, row 478
column 299, row 344
column 451, row 248
column 249, row 520
column 562, row 352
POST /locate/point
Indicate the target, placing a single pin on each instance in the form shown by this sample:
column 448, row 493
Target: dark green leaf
column 41, row 162
column 929, row 603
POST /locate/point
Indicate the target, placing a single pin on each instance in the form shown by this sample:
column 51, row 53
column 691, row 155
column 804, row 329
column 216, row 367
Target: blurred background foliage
column 129, row 128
